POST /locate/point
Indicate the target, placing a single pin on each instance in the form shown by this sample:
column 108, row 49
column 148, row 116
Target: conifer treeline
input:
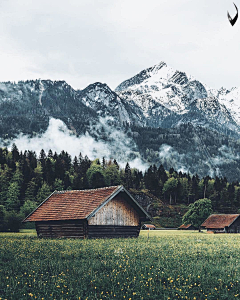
column 26, row 180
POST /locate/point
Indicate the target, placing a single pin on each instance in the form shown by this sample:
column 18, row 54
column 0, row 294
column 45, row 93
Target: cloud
column 171, row 158
column 109, row 41
column 121, row 147
column 58, row 137
column 226, row 156
column 228, row 153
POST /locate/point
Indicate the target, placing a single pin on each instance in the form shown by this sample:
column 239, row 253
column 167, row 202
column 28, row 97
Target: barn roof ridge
column 224, row 215
column 87, row 190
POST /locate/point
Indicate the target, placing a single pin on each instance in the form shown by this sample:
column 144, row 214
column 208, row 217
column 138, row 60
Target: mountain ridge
column 157, row 116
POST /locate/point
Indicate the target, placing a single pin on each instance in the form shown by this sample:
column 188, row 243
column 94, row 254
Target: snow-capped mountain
column 160, row 115
column 168, row 98
column 106, row 102
column 156, row 97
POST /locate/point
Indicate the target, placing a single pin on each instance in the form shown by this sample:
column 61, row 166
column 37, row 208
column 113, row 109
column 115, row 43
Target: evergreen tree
column 75, row 164
column 95, row 175
column 112, row 175
column 115, row 162
column 28, row 207
column 31, row 191
column 162, row 175
column 80, row 158
column 32, row 159
column 13, row 193
column 67, row 181
column 2, row 218
column 137, row 179
column 5, row 177
column 128, row 176
column 15, row 153
column 170, row 187
column 43, row 193
column 38, row 175
column 50, row 154
column 195, row 185
column 58, row 185
column 49, row 172
column 42, row 157
column 59, row 169
column 151, row 179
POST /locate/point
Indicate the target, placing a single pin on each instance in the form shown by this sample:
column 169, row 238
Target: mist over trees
column 27, row 179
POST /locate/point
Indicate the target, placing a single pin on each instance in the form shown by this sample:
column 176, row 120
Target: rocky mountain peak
column 140, row 77
column 179, row 78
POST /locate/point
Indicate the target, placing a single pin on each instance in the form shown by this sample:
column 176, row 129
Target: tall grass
column 168, row 265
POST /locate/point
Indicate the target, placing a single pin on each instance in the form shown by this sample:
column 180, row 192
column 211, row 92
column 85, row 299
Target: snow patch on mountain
column 231, row 100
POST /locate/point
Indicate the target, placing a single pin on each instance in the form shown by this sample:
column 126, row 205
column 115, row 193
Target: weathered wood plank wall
column 235, row 227
column 109, row 231
column 118, row 212
column 57, row 229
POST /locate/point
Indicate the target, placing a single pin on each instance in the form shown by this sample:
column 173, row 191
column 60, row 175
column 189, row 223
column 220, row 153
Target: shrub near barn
column 198, row 212
column 10, row 220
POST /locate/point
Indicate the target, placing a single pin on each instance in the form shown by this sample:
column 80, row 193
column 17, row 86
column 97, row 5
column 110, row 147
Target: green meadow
column 165, row 265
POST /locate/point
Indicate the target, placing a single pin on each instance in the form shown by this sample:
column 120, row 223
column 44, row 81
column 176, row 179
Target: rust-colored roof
column 71, row 205
column 183, row 226
column 149, row 226
column 219, row 221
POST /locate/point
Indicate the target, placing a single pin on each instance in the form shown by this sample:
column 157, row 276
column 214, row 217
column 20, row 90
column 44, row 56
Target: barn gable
column 110, row 211
column 118, row 211
column 129, row 202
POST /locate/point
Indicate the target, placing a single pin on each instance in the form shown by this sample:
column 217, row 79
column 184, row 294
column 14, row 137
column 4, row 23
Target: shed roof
column 219, row 221
column 149, row 225
column 76, row 204
column 183, row 226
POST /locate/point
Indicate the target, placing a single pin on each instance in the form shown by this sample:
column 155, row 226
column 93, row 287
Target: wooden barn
column 97, row 213
column 187, row 227
column 223, row 223
column 148, row 227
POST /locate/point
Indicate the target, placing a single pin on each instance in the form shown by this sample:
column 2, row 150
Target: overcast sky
column 85, row 41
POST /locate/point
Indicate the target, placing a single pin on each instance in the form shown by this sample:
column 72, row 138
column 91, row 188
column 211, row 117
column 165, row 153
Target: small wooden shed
column 148, row 227
column 187, row 227
column 222, row 223
column 96, row 213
